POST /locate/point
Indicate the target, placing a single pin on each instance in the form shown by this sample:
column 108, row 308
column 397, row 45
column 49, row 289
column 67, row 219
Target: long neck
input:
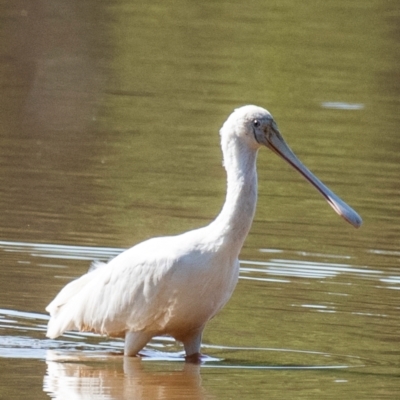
column 234, row 221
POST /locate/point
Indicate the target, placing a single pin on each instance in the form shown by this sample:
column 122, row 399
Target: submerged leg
column 134, row 342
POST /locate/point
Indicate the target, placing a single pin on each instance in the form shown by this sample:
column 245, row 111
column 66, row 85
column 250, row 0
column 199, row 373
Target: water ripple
column 305, row 269
column 340, row 105
column 59, row 251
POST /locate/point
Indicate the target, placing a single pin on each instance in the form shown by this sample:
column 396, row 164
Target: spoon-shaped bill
column 276, row 143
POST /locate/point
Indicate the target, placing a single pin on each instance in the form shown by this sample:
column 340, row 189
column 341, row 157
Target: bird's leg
column 134, row 342
column 195, row 358
column 192, row 345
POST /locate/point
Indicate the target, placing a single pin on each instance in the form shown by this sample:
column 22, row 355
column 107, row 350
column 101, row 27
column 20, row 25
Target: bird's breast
column 198, row 294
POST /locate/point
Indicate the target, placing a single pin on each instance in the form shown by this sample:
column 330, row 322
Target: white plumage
column 174, row 285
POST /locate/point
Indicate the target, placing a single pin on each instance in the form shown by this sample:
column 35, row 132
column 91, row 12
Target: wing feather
column 126, row 294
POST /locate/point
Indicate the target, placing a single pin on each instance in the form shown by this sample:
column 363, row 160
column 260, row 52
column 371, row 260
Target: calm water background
column 110, row 114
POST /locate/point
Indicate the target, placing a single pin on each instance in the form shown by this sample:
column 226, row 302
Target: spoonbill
column 174, row 285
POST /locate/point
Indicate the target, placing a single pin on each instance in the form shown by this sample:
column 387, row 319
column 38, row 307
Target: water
column 110, row 116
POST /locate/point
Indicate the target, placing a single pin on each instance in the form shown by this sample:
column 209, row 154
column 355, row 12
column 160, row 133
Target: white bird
column 174, row 285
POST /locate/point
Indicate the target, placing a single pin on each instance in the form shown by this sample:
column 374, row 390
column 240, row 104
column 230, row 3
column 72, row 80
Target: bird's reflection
column 131, row 378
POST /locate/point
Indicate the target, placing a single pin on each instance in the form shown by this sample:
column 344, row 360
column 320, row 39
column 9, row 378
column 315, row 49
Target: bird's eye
column 256, row 123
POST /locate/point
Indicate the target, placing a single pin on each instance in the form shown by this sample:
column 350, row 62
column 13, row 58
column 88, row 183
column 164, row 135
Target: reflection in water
column 76, row 375
column 52, row 60
column 81, row 379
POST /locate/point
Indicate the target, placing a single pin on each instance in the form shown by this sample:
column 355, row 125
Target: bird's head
column 251, row 124
column 255, row 127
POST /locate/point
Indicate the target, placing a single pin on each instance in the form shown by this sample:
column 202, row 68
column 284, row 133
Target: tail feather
column 96, row 264
column 61, row 319
column 57, row 326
